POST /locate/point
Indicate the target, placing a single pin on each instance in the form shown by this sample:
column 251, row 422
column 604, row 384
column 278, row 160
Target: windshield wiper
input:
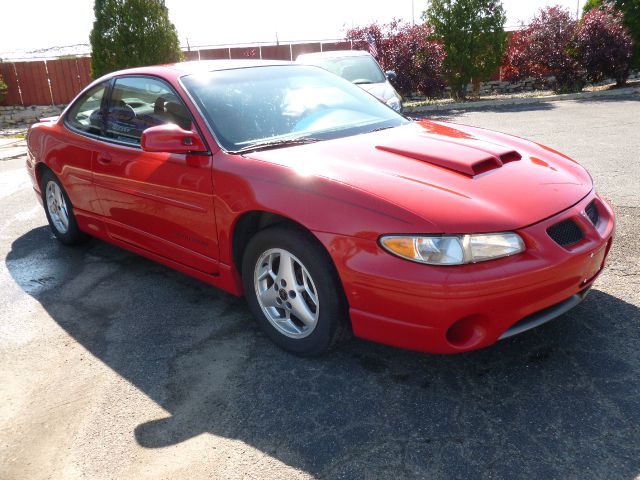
column 381, row 128
column 277, row 144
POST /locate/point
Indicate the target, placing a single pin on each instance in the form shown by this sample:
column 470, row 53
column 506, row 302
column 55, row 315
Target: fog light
column 467, row 332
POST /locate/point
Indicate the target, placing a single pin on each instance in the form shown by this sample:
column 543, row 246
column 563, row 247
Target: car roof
column 333, row 54
column 197, row 66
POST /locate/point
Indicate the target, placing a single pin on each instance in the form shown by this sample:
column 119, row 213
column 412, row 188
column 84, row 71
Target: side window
column 138, row 103
column 86, row 114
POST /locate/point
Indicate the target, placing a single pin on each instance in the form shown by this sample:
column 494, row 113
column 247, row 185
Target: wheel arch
column 254, row 221
column 251, row 222
column 40, row 168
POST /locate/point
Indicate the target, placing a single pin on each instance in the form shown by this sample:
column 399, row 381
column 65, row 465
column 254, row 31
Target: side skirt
column 226, row 277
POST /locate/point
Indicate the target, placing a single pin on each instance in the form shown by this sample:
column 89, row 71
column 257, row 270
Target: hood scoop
column 467, row 160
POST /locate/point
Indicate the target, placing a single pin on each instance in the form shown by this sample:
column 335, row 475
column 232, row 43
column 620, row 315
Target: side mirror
column 171, row 138
column 391, row 75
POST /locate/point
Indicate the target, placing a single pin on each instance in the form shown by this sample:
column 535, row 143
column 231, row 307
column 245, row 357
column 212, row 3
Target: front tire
column 59, row 211
column 294, row 291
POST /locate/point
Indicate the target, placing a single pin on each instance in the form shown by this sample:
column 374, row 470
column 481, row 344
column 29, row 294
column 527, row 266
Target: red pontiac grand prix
column 331, row 212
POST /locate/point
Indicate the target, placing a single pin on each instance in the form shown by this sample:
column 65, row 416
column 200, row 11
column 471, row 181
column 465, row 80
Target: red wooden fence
column 44, row 82
column 55, row 82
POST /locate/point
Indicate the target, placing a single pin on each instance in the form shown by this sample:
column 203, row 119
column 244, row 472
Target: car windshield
column 360, row 69
column 279, row 105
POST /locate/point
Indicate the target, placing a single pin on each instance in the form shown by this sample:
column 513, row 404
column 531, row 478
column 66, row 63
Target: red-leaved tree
column 548, row 46
column 604, row 45
column 407, row 50
column 515, row 65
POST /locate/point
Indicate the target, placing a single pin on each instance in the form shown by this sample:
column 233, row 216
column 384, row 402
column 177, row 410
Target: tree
column 131, row 33
column 408, row 51
column 631, row 12
column 3, row 89
column 604, row 45
column 548, row 46
column 472, row 32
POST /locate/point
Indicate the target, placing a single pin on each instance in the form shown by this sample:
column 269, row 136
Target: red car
column 331, row 212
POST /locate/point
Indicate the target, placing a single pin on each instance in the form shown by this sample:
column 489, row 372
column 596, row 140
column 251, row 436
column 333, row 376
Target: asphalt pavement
column 112, row 366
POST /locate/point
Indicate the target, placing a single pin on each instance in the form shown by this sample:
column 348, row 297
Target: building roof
column 332, row 54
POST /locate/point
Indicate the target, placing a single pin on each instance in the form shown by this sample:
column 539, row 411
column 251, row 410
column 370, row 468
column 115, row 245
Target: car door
column 78, row 150
column 161, row 202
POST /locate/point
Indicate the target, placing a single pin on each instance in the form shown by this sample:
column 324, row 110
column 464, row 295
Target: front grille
column 566, row 233
column 592, row 212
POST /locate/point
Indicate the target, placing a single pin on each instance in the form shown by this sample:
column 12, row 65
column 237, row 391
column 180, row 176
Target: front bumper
column 543, row 316
column 456, row 309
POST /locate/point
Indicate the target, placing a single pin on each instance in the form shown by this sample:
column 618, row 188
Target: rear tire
column 294, row 291
column 59, row 211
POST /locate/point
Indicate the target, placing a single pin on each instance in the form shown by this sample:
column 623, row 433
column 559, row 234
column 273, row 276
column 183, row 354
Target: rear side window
column 137, row 103
column 86, row 114
column 357, row 69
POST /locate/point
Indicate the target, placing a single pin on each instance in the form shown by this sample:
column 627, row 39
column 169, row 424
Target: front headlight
column 395, row 103
column 453, row 249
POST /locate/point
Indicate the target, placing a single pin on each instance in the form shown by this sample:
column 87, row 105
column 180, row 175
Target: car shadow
column 445, row 115
column 561, row 401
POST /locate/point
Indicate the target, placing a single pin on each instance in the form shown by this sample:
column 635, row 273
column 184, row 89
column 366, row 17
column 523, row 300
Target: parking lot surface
column 112, row 366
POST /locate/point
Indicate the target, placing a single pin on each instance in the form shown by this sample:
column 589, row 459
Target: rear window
column 87, row 114
column 360, row 70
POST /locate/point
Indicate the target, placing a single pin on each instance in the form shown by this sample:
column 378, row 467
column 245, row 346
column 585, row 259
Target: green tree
column 3, row 89
column 472, row 32
column 131, row 33
column 631, row 12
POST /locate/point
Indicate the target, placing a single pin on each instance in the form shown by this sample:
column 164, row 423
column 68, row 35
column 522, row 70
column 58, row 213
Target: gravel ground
column 112, row 366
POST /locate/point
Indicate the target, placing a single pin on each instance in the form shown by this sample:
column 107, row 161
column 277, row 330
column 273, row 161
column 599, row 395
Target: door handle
column 104, row 160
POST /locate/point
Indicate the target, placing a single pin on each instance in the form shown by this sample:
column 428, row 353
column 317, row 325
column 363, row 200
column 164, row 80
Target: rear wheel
column 294, row 292
column 59, row 211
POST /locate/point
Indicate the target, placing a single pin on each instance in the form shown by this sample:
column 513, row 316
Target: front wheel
column 294, row 292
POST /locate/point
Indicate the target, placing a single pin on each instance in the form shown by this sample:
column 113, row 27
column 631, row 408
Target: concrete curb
column 522, row 101
column 11, row 149
column 13, row 157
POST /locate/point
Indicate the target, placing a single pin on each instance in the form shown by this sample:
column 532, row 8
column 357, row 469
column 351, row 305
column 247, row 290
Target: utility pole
column 577, row 9
column 413, row 14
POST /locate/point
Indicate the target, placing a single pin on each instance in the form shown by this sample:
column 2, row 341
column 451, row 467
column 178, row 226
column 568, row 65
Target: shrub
column 548, row 46
column 131, row 33
column 631, row 13
column 472, row 32
column 604, row 45
column 3, row 89
column 407, row 50
column 514, row 65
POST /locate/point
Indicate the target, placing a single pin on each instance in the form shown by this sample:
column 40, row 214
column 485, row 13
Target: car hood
column 458, row 179
column 384, row 91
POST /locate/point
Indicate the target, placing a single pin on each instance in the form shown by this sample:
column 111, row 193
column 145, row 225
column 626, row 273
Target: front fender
column 317, row 203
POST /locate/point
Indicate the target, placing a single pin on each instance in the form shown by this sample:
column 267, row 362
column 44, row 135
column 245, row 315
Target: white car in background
column 360, row 68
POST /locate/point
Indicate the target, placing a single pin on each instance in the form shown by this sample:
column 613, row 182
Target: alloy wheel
column 286, row 293
column 57, row 207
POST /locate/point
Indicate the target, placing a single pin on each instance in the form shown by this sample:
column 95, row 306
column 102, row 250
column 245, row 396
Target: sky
column 37, row 24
